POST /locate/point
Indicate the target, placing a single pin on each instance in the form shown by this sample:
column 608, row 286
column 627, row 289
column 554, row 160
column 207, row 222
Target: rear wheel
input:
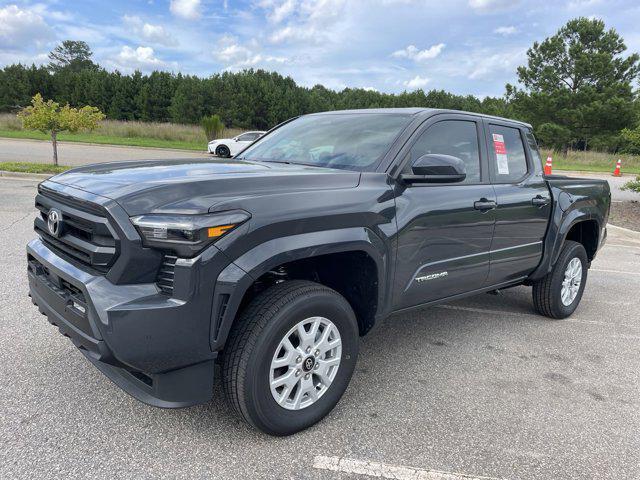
column 223, row 151
column 558, row 294
column 290, row 356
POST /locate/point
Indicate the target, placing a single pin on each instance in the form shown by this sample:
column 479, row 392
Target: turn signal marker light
column 214, row 232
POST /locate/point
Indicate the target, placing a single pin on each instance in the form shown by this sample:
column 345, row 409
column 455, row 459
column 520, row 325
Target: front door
column 444, row 230
column 524, row 201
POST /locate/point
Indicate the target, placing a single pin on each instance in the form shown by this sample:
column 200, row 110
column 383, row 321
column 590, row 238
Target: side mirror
column 437, row 168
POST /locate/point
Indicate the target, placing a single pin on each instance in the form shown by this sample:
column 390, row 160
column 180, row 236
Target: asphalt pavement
column 478, row 388
column 76, row 154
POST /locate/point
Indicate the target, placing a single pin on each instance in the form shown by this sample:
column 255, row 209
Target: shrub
column 213, row 127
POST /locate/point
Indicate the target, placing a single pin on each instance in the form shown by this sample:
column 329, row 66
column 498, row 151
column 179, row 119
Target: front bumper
column 154, row 347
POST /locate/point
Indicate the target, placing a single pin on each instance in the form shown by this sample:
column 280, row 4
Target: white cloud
column 492, row 6
column 416, row 82
column 236, row 56
column 22, row 26
column 486, row 66
column 147, row 31
column 189, row 9
column 580, row 4
column 413, row 53
column 506, row 31
column 278, row 10
column 307, row 21
column 142, row 58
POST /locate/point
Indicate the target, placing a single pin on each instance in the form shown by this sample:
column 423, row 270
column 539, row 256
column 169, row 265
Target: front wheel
column 223, row 151
column 558, row 294
column 290, row 356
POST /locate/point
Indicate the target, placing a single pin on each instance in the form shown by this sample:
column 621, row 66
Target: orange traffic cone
column 616, row 172
column 548, row 166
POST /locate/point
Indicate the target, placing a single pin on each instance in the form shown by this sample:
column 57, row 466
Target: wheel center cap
column 308, row 364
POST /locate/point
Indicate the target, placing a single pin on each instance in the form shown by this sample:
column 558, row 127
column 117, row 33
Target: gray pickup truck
column 271, row 264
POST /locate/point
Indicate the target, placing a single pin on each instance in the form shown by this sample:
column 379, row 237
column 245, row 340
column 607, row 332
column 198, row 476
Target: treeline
column 247, row 99
column 578, row 88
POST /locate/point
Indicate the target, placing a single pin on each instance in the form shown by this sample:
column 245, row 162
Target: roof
column 427, row 112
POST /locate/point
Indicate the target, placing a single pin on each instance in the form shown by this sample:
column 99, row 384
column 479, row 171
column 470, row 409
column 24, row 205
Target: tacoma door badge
column 433, row 276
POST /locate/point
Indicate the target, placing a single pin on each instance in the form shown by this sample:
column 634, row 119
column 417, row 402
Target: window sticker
column 501, row 154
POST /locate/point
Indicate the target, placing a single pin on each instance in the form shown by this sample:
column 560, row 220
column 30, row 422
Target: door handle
column 484, row 205
column 540, row 201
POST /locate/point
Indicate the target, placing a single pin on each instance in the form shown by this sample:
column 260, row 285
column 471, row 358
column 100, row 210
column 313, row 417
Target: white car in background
column 228, row 147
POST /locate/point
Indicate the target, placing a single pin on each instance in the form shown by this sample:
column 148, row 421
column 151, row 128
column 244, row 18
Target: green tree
column 187, row 104
column 213, row 126
column 578, row 84
column 49, row 117
column 71, row 55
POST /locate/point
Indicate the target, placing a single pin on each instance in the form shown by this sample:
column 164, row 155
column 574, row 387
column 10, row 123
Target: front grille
column 68, row 297
column 85, row 234
column 166, row 274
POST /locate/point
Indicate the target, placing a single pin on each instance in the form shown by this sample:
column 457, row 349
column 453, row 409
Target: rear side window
column 509, row 160
column 451, row 137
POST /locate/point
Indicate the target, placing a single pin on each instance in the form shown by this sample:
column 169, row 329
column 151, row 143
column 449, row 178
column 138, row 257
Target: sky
column 462, row 46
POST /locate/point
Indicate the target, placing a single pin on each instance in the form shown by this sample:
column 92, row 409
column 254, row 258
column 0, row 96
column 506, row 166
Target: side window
column 458, row 138
column 509, row 160
column 247, row 137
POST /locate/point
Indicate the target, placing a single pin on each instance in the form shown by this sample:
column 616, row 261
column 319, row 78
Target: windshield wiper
column 284, row 162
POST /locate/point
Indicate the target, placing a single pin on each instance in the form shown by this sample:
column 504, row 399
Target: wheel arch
column 356, row 256
column 580, row 225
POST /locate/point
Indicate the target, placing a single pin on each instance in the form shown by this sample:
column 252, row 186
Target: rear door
column 444, row 230
column 524, row 201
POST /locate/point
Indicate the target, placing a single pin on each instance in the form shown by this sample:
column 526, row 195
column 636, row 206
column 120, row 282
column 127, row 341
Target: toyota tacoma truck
column 265, row 269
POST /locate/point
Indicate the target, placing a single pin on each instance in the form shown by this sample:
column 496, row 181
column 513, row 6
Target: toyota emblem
column 54, row 222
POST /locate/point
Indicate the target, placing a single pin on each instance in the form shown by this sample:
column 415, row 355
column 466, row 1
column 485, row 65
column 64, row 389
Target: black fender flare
column 234, row 281
column 561, row 224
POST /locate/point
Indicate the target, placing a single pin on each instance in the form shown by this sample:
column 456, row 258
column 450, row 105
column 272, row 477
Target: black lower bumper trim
column 180, row 388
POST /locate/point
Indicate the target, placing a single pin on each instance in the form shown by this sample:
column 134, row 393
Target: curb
column 26, row 176
column 589, row 172
column 628, row 231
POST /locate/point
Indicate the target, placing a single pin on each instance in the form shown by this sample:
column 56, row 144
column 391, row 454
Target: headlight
column 186, row 235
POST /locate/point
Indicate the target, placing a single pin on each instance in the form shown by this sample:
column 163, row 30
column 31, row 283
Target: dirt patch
column 626, row 215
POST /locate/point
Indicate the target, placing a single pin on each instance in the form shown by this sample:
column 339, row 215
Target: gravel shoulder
column 626, row 215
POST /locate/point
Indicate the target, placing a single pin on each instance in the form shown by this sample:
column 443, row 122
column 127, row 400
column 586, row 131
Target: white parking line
column 617, row 245
column 384, row 470
column 538, row 317
column 613, row 271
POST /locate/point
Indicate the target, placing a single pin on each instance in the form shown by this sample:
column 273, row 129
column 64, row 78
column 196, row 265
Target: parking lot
column 478, row 388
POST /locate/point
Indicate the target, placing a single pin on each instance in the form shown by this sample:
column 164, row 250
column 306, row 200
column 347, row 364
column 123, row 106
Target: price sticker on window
column 501, row 154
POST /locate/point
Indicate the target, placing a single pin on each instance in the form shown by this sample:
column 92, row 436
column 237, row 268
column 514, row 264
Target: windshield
column 348, row 141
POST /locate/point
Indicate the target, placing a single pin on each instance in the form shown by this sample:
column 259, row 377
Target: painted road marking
column 538, row 317
column 385, row 470
column 617, row 245
column 613, row 271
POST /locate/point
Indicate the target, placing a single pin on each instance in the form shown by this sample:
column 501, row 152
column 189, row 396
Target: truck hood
column 198, row 186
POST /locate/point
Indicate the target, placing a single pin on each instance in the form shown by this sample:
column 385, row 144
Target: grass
column 113, row 132
column 592, row 161
column 24, row 167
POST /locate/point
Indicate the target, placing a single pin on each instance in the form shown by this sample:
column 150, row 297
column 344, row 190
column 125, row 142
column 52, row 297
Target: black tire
column 547, row 291
column 223, row 151
column 252, row 343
